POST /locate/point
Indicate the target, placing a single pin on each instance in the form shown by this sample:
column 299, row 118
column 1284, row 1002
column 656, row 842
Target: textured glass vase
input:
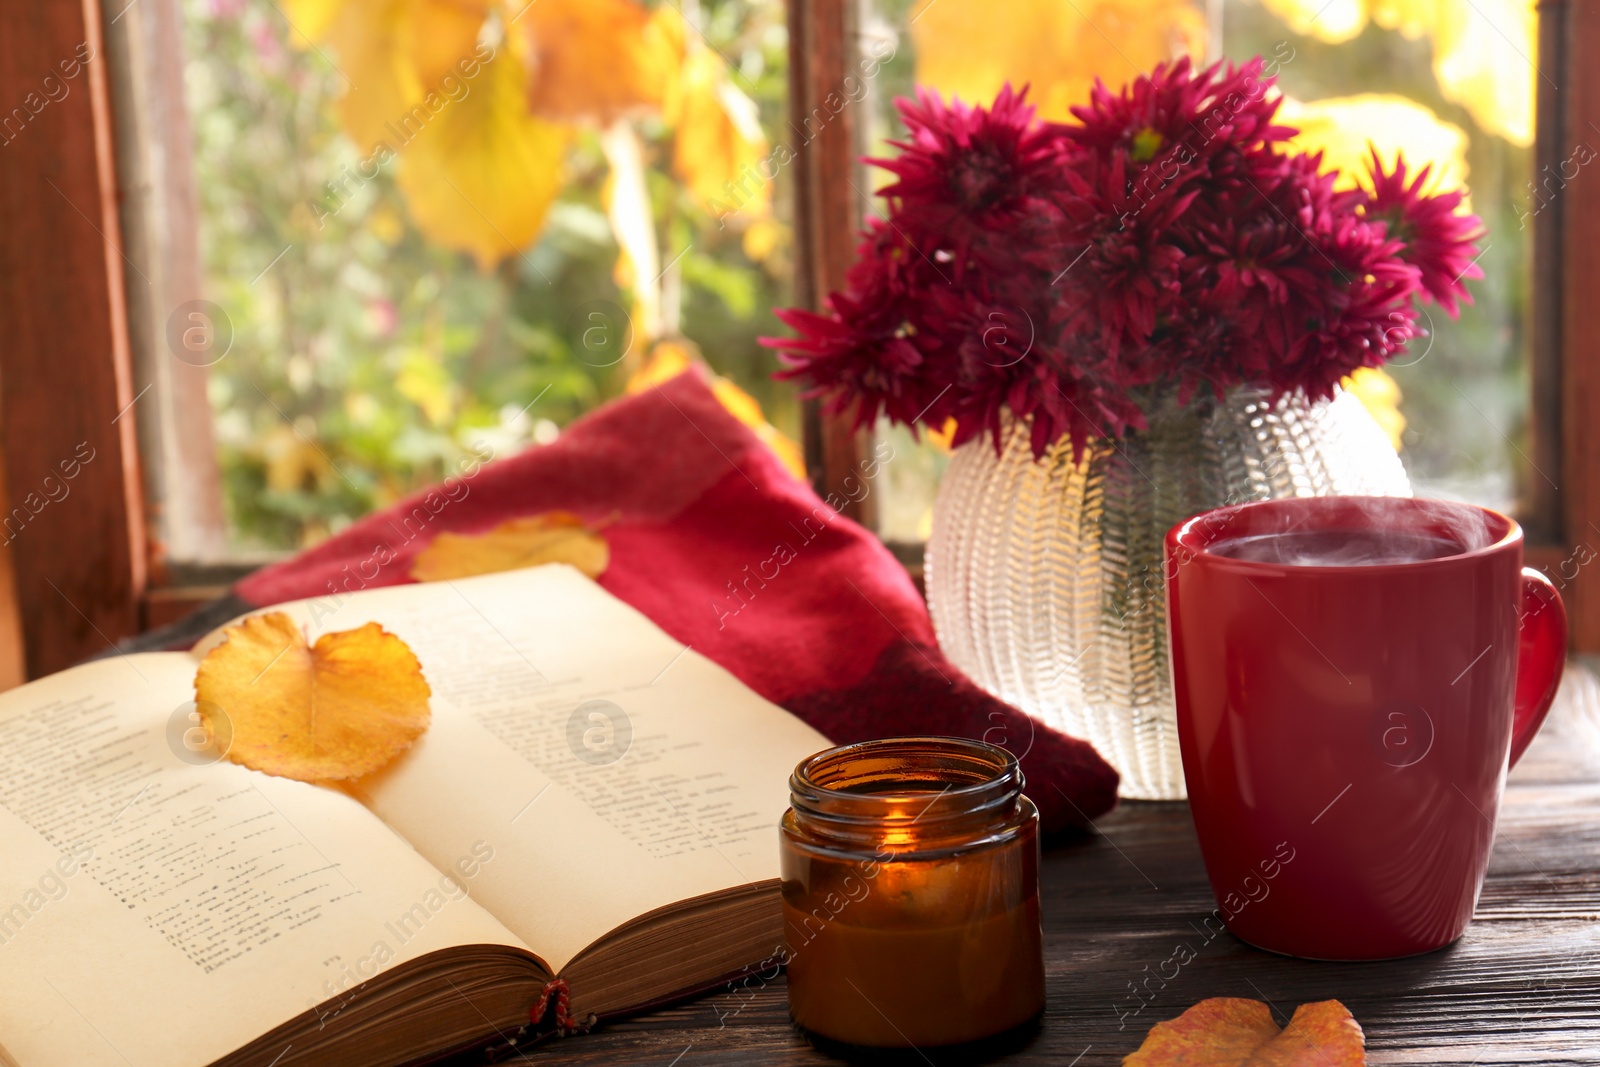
column 1045, row 577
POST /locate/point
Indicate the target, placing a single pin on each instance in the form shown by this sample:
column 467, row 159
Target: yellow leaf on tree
column 943, row 438
column 763, row 238
column 1482, row 51
column 1481, row 48
column 1380, row 395
column 666, row 361
column 553, row 537
column 718, row 144
column 1229, row 1032
column 310, row 19
column 403, row 61
column 1410, row 18
column 443, row 33
column 598, row 60
column 293, row 463
column 964, row 48
column 482, row 174
column 386, row 224
column 339, row 709
column 370, row 41
column 426, row 382
column 747, row 410
column 1333, row 21
column 1343, row 127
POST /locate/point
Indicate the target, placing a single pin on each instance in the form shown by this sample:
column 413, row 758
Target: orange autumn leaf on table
column 1230, row 1032
column 553, row 537
column 339, row 709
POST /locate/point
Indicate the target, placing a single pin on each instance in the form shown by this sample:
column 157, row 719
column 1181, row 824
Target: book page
column 157, row 908
column 616, row 770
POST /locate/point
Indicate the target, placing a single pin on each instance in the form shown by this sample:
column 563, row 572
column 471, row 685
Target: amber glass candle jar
column 911, row 893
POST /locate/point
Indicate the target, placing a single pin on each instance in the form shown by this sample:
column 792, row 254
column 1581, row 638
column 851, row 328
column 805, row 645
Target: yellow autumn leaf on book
column 339, row 709
column 482, row 174
column 599, row 60
column 553, row 537
column 968, row 49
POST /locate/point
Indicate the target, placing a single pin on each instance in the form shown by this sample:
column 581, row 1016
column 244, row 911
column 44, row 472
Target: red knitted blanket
column 727, row 552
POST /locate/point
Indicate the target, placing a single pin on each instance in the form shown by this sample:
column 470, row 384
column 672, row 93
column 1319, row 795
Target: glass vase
column 1045, row 578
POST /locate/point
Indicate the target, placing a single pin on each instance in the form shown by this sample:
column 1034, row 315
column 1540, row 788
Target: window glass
column 1452, row 85
column 1448, row 82
column 435, row 226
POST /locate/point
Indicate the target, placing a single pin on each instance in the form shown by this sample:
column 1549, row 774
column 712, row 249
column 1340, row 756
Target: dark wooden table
column 1523, row 985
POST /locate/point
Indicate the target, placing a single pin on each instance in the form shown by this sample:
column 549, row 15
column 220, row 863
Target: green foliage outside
column 365, row 362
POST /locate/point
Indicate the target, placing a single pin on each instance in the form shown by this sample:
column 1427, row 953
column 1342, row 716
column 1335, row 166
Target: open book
column 592, row 812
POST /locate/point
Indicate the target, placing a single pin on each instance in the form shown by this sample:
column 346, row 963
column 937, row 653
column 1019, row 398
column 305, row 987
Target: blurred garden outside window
column 435, row 227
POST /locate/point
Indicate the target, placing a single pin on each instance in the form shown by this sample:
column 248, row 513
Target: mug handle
column 1541, row 656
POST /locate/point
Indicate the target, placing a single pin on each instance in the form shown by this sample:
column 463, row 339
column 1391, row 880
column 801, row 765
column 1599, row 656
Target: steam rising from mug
column 1380, row 532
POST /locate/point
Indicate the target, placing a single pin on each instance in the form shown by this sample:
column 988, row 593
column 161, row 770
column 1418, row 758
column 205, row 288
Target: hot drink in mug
column 1353, row 677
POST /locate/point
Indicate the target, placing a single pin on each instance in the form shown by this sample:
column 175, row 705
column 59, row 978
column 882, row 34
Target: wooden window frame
column 79, row 566
column 1561, row 508
column 79, row 344
column 823, row 51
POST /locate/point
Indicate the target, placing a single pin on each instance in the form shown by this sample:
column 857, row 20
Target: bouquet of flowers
column 1168, row 240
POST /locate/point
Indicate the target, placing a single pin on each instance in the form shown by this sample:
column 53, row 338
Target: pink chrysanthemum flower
column 1436, row 237
column 970, row 175
column 1070, row 275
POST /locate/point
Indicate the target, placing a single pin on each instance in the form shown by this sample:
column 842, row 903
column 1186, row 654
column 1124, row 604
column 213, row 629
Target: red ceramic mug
column 1346, row 727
